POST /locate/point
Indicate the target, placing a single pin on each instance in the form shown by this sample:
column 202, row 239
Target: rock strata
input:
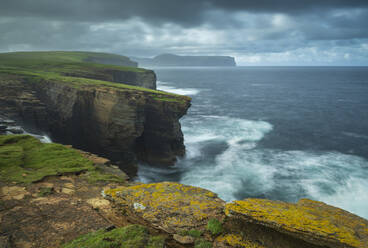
column 121, row 122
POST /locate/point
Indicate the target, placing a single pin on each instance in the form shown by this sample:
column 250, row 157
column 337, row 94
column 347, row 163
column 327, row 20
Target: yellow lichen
column 236, row 240
column 307, row 218
column 170, row 204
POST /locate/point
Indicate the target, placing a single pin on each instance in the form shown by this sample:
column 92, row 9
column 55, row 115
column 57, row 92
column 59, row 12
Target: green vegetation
column 97, row 175
column 193, row 233
column 131, row 236
column 45, row 191
column 214, row 226
column 24, row 159
column 73, row 69
column 202, row 244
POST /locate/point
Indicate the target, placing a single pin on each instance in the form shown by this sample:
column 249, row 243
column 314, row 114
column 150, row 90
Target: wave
column 223, row 156
column 165, row 86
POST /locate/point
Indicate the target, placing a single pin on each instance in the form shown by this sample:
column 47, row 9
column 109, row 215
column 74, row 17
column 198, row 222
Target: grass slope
column 60, row 66
column 131, row 236
column 24, row 159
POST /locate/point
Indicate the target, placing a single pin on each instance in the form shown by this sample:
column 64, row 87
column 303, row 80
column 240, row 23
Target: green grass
column 24, row 159
column 131, row 236
column 72, row 69
column 214, row 226
column 193, row 233
column 45, row 191
column 97, row 175
column 202, row 244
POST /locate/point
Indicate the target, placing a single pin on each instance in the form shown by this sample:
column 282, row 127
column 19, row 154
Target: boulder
column 308, row 223
column 169, row 206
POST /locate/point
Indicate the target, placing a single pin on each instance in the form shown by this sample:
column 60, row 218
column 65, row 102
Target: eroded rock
column 314, row 222
column 172, row 207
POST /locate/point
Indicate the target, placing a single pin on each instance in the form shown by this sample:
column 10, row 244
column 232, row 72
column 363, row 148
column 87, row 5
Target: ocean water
column 281, row 133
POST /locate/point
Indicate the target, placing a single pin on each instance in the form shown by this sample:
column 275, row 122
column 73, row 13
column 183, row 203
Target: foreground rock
column 171, row 207
column 304, row 224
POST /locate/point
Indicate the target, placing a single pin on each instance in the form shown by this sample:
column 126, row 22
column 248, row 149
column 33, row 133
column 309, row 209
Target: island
column 176, row 60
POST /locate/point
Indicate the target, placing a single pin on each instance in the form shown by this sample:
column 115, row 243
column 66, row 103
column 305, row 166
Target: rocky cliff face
column 124, row 124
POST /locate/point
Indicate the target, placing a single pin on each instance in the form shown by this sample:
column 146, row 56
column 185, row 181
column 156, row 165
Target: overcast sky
column 256, row 32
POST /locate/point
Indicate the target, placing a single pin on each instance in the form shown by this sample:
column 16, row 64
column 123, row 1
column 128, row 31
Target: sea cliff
column 88, row 106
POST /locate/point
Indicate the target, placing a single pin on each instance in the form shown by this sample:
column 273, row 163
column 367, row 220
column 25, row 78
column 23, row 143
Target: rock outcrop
column 304, row 224
column 192, row 213
column 171, row 207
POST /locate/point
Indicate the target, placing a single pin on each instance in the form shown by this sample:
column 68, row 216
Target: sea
column 281, row 133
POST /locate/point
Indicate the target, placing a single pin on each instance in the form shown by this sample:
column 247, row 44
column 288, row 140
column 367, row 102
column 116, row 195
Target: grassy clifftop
column 79, row 69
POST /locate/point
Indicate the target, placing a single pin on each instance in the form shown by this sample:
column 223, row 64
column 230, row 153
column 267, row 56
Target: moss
column 131, row 236
column 306, row 218
column 156, row 242
column 24, row 159
column 96, row 175
column 45, row 191
column 214, row 226
column 193, row 233
column 202, row 244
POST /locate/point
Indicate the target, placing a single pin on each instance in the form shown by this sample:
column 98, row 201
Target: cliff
column 55, row 196
column 176, row 60
column 122, row 122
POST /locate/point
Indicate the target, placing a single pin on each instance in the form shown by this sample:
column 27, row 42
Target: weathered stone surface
column 311, row 221
column 234, row 240
column 184, row 239
column 172, row 207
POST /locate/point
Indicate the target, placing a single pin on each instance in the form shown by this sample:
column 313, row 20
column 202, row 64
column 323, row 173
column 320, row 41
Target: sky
column 255, row 32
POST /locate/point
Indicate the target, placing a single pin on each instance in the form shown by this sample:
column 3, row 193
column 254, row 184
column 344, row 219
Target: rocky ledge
column 52, row 195
column 192, row 214
column 55, row 93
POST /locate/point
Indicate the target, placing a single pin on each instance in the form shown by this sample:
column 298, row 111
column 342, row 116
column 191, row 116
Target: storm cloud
column 255, row 32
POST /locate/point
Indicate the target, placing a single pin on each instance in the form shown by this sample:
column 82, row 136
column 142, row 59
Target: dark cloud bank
column 306, row 32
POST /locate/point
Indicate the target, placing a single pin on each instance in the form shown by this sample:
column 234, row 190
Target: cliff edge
column 52, row 195
column 92, row 107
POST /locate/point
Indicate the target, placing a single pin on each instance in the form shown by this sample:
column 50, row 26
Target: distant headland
column 176, row 60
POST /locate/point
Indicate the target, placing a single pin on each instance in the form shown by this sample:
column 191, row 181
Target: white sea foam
column 164, row 86
column 223, row 156
column 334, row 178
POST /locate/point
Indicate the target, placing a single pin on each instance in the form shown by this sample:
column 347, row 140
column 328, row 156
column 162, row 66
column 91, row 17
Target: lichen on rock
column 312, row 221
column 172, row 207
